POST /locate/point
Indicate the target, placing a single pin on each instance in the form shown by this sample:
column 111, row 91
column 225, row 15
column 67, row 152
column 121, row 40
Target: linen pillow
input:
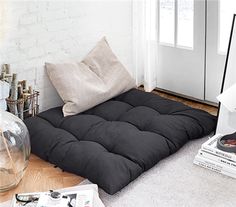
column 97, row 78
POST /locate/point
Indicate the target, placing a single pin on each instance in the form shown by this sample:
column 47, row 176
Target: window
column 167, row 21
column 176, row 22
column 185, row 23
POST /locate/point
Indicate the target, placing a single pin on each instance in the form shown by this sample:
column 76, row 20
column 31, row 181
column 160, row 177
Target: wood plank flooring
column 42, row 176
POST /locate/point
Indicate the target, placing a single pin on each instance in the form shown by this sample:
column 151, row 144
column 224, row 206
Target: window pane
column 185, row 23
column 227, row 9
column 167, row 21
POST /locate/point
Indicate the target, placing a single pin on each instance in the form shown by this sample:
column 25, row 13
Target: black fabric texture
column 114, row 142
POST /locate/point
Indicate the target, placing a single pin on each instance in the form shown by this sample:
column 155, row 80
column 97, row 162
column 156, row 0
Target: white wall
column 33, row 32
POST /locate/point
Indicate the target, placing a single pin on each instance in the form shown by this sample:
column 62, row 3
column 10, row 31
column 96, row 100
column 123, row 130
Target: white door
column 182, row 47
column 219, row 21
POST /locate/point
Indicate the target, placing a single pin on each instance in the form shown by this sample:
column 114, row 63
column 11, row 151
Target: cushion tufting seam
column 47, row 121
column 93, row 125
column 123, row 101
column 164, row 99
column 199, row 124
column 118, row 118
column 82, row 140
column 87, row 130
column 58, row 127
column 166, row 138
column 132, row 107
column 150, row 106
column 41, row 117
column 127, row 159
column 67, row 118
column 63, row 120
column 109, row 151
column 169, row 113
column 113, row 99
column 142, row 105
column 181, row 110
column 185, row 129
column 65, row 152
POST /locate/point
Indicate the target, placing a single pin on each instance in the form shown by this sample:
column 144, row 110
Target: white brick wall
column 33, row 32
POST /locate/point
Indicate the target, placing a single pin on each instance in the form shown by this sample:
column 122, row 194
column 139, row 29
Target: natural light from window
column 167, row 21
column 185, row 23
column 176, row 22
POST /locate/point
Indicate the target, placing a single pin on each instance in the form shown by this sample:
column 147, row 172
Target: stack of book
column 212, row 158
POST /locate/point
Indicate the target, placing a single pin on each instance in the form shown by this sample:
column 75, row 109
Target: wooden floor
column 42, row 176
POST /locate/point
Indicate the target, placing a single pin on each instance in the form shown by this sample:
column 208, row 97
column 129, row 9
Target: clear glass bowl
column 14, row 150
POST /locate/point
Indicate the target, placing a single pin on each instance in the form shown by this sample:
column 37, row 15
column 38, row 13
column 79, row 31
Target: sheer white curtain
column 145, row 47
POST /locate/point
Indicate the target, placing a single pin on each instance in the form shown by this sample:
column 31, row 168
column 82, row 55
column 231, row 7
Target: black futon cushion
column 114, row 142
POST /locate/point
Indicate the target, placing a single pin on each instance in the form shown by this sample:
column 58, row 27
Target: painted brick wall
column 35, row 32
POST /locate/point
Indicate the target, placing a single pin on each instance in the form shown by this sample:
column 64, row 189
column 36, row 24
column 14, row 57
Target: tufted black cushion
column 114, row 142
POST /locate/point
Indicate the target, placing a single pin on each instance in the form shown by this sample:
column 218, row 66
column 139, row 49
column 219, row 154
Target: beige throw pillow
column 97, row 78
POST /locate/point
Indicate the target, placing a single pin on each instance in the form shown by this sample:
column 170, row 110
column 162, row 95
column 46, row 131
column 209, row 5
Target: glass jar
column 14, row 150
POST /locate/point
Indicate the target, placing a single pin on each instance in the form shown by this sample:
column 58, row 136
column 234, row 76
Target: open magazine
column 82, row 198
column 79, row 189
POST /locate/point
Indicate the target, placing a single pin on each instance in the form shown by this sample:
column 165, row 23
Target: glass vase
column 14, row 150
